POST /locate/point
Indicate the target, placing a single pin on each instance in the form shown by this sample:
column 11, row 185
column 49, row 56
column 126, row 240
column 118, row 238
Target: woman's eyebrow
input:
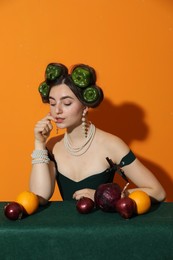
column 51, row 98
column 62, row 98
column 66, row 97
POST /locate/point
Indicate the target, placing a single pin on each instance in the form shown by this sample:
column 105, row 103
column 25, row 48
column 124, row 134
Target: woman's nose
column 58, row 108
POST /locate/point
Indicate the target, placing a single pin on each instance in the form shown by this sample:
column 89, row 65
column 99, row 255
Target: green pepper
column 53, row 72
column 81, row 77
column 90, row 94
column 44, row 89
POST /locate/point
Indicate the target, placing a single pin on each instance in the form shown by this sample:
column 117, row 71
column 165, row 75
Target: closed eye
column 52, row 105
column 67, row 104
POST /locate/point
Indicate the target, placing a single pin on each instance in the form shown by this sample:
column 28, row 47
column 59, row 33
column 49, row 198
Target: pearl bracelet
column 40, row 156
column 40, row 161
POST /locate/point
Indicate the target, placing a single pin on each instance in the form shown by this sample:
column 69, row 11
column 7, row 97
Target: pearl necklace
column 77, row 151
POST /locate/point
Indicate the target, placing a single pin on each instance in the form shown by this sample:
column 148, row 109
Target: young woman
column 85, row 156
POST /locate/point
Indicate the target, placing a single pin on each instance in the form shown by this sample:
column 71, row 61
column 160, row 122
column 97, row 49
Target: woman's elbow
column 159, row 195
column 162, row 195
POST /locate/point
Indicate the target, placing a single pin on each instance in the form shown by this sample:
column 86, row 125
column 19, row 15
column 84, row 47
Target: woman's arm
column 145, row 180
column 139, row 174
column 42, row 179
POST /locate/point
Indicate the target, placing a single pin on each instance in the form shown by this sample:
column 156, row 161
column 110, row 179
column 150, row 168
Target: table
column 58, row 231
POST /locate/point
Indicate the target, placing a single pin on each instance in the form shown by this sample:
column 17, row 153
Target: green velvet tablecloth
column 58, row 232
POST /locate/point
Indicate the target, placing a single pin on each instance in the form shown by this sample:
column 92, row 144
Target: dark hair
column 81, row 80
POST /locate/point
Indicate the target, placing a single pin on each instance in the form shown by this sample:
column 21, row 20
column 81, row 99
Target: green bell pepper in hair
column 53, row 72
column 81, row 77
column 44, row 89
column 90, row 94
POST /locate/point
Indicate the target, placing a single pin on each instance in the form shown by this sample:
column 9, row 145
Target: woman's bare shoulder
column 113, row 144
column 108, row 137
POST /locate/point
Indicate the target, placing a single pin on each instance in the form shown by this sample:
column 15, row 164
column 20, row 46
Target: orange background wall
column 129, row 42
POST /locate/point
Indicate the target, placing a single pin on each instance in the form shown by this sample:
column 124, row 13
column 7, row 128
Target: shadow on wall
column 128, row 122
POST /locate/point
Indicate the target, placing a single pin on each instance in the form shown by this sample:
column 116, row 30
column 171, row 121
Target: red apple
column 125, row 207
column 13, row 211
column 85, row 205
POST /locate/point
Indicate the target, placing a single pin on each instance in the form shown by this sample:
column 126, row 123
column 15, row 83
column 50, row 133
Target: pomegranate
column 85, row 205
column 106, row 196
column 13, row 211
column 125, row 207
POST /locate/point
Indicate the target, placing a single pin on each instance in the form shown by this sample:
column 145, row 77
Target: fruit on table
column 85, row 205
column 126, row 207
column 106, row 196
column 13, row 211
column 142, row 201
column 29, row 201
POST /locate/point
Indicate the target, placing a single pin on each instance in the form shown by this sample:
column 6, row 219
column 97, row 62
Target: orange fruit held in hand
column 142, row 200
column 29, row 201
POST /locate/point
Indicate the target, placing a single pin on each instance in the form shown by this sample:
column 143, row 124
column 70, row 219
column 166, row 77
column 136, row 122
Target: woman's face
column 65, row 106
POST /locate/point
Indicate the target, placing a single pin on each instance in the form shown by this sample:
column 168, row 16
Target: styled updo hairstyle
column 81, row 80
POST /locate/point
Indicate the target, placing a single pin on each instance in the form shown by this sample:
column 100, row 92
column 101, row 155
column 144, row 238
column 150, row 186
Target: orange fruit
column 142, row 201
column 29, row 201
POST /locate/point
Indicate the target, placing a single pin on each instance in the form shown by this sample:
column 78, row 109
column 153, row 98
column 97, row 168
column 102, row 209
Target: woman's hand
column 43, row 128
column 89, row 193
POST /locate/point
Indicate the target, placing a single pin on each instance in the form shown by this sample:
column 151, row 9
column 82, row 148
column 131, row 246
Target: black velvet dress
column 67, row 186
